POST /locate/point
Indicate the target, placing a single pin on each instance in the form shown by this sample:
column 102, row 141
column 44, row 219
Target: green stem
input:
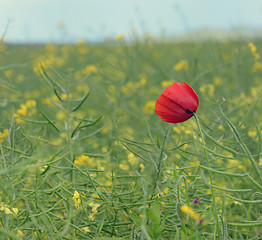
column 249, row 211
column 187, row 197
column 210, row 177
column 160, row 162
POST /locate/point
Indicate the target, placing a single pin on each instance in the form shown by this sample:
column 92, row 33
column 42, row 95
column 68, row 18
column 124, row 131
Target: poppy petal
column 170, row 111
column 177, row 103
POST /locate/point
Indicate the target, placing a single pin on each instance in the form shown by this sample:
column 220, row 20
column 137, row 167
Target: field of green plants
column 84, row 155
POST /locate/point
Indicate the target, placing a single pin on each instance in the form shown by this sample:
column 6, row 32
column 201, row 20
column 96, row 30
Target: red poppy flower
column 177, row 103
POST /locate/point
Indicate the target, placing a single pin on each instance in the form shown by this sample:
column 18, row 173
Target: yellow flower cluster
column 86, row 229
column 26, row 109
column 19, row 233
column 89, row 69
column 143, row 79
column 94, row 207
column 207, row 89
column 182, row 65
column 149, row 107
column 257, row 67
column 77, row 199
column 9, row 73
column 185, row 129
column 91, row 162
column 132, row 159
column 217, row 81
column 48, row 61
column 120, row 37
column 6, row 210
column 3, row 135
column 188, row 210
column 124, row 166
column 83, row 160
column 167, row 83
column 133, row 86
column 253, row 49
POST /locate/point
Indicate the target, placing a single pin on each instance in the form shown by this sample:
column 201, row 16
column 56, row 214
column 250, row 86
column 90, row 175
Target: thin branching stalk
column 160, row 162
column 187, row 196
column 210, row 177
column 249, row 211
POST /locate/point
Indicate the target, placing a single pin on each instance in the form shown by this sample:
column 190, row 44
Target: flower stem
column 210, row 177
column 160, row 161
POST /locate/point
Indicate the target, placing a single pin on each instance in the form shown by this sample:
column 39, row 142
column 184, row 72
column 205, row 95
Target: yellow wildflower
column 252, row 46
column 94, row 206
column 260, row 162
column 182, row 65
column 221, row 127
column 86, row 229
column 142, row 167
column 20, row 78
column 120, row 37
column 22, row 110
column 19, row 233
column 47, row 101
column 9, row 72
column 25, row 109
column 123, row 166
column 50, row 48
column 82, row 160
column 132, row 159
column 77, row 199
column 167, row 83
column 3, row 135
column 30, row 103
column 254, row 91
column 176, row 130
column 252, row 133
column 217, row 81
column 253, row 49
column 60, row 115
column 257, row 67
column 15, row 211
column 207, row 89
column 4, row 207
column 66, row 95
column 90, row 69
column 149, row 107
column 143, row 79
column 91, row 217
column 190, row 212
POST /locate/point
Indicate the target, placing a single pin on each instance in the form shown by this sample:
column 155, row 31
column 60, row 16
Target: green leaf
column 135, row 153
column 54, row 83
column 49, row 121
column 92, row 123
column 11, row 132
column 77, row 127
column 241, row 143
column 163, row 222
column 153, row 218
column 82, row 101
column 137, row 220
column 151, row 232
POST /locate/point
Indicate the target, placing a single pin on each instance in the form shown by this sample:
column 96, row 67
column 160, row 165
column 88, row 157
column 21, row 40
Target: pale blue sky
column 37, row 20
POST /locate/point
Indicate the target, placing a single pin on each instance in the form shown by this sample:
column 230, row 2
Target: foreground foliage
column 83, row 155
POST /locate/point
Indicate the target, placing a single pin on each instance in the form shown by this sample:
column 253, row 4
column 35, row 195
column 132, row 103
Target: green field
column 84, row 155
